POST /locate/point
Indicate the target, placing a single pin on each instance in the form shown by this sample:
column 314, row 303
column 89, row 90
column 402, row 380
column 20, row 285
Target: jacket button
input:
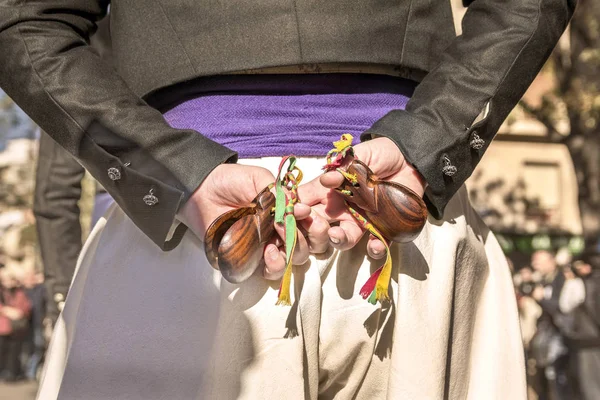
column 448, row 169
column 150, row 199
column 114, row 174
column 476, row 142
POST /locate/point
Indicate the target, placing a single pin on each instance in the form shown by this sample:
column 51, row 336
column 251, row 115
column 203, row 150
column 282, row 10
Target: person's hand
column 12, row 313
column 231, row 186
column 385, row 159
column 538, row 293
column 568, row 273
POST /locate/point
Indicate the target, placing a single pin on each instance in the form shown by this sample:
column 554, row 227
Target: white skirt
column 140, row 323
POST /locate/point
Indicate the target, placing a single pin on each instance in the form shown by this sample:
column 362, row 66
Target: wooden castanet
column 395, row 210
column 234, row 243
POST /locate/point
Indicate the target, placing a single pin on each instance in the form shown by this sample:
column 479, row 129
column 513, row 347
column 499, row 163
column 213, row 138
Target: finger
column 316, row 233
column 375, row 248
column 274, row 262
column 345, row 236
column 301, row 252
column 301, row 211
column 332, row 179
column 312, row 192
column 338, row 238
column 278, row 241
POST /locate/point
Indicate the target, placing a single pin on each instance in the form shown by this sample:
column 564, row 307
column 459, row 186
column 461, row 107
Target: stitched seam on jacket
column 41, row 81
column 537, row 25
column 35, row 71
column 177, row 36
column 501, row 82
column 405, row 32
column 298, row 30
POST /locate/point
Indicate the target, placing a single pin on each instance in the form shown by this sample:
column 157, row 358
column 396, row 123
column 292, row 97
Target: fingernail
column 273, row 254
column 334, row 240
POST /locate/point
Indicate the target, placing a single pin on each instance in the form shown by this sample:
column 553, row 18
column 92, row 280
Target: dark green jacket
column 100, row 115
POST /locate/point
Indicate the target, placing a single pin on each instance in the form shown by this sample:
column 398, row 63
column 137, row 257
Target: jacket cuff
column 144, row 188
column 444, row 159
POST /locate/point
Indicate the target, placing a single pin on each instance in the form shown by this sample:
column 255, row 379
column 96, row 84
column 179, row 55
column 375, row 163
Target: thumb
column 312, row 192
column 332, row 179
column 261, row 178
column 382, row 156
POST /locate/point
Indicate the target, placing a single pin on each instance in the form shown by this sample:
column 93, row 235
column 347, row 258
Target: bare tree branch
column 544, row 118
column 561, row 61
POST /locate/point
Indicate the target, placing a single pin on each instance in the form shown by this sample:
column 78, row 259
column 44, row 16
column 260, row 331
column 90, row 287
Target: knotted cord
column 286, row 196
column 284, row 214
column 376, row 287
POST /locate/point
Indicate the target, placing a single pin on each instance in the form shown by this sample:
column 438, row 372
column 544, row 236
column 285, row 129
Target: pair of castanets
column 234, row 243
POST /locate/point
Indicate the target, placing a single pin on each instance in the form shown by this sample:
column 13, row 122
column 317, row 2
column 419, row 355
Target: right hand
column 231, row 186
column 386, row 160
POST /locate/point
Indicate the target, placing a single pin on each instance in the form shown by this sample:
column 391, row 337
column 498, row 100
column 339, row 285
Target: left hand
column 230, row 186
column 387, row 162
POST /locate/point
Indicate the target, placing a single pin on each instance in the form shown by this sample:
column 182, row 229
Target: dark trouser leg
column 539, row 383
column 561, row 386
column 10, row 352
column 3, row 353
column 57, row 192
column 36, row 355
column 588, row 361
column 14, row 357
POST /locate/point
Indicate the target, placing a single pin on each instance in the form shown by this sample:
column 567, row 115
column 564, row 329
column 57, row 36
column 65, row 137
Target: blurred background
column 537, row 187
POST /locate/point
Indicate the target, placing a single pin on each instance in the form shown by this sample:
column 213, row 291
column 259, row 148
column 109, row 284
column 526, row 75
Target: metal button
column 150, row 199
column 476, row 142
column 448, row 169
column 114, row 174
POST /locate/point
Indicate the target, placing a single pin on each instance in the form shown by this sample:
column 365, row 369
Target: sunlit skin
column 232, row 185
column 387, row 162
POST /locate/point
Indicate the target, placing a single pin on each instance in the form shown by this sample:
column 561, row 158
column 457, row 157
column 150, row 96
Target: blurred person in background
column 15, row 310
column 56, row 204
column 547, row 345
column 33, row 283
column 529, row 309
column 580, row 301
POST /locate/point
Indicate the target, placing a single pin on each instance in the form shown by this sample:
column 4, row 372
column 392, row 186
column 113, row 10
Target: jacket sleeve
column 51, row 72
column 484, row 72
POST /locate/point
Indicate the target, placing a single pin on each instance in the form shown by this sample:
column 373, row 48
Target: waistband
column 338, row 68
column 280, row 84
